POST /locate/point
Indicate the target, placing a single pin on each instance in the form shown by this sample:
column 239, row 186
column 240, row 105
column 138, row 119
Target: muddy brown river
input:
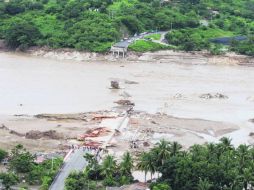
column 32, row 85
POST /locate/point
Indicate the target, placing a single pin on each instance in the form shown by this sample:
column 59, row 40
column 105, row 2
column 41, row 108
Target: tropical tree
column 22, row 34
column 147, row 164
column 126, row 165
column 204, row 185
column 142, row 164
column 162, row 150
column 21, row 160
column 92, row 161
column 175, row 148
column 108, row 168
column 243, row 157
column 8, row 180
column 78, row 181
column 226, row 143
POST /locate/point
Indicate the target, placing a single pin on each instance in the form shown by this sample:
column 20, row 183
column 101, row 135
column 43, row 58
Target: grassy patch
column 116, row 6
column 144, row 46
column 211, row 33
column 153, row 36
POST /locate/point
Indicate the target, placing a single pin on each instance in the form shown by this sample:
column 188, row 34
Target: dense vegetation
column 202, row 167
column 21, row 167
column 93, row 25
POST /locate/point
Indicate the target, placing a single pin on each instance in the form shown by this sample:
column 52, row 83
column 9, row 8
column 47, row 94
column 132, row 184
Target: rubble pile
column 125, row 103
column 57, row 117
column 51, row 134
column 101, row 131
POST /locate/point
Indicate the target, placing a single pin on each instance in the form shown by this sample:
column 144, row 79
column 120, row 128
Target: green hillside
column 93, row 25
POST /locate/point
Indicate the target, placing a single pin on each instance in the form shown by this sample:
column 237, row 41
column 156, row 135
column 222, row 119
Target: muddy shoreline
column 164, row 56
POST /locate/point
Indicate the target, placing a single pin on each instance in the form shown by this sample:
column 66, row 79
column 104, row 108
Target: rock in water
column 125, row 103
column 115, row 84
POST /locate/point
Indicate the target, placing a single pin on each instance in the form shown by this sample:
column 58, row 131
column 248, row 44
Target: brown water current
column 33, row 85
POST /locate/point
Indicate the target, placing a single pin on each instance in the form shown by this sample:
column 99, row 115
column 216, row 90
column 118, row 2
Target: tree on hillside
column 21, row 35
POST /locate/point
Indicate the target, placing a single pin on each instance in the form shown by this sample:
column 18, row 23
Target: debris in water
column 213, row 96
column 115, row 84
column 125, row 102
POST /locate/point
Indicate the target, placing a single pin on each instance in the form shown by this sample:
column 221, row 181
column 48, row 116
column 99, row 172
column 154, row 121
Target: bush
column 195, row 39
column 3, row 154
column 46, row 181
column 109, row 182
column 79, row 181
column 8, row 179
column 244, row 47
column 160, row 186
column 216, row 49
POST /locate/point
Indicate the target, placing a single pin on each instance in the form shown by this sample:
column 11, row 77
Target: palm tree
column 163, row 151
column 147, row 163
column 151, row 164
column 108, row 166
column 175, row 148
column 243, row 154
column 91, row 159
column 226, row 143
column 204, row 185
column 142, row 164
column 126, row 165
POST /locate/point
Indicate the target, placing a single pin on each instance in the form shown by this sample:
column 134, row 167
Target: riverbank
column 164, row 56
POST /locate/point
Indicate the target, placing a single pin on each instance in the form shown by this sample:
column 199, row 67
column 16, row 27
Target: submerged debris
column 125, row 102
column 213, row 96
column 115, row 84
column 51, row 134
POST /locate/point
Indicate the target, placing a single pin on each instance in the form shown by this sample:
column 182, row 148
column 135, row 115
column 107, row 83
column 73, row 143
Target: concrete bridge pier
column 119, row 50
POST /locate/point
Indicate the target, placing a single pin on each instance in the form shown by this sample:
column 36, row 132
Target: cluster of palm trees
column 202, row 167
column 151, row 161
column 211, row 166
column 112, row 173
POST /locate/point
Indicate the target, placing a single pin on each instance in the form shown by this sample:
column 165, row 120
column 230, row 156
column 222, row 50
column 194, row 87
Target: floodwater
column 32, row 85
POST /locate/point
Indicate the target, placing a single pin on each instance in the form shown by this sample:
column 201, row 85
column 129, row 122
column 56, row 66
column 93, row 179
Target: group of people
column 91, row 149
